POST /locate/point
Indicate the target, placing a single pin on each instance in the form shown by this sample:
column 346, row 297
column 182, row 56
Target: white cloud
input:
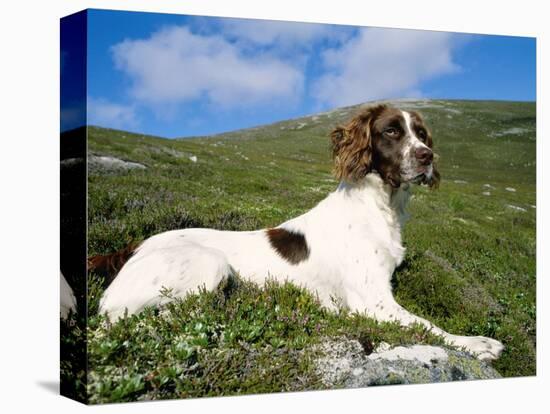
column 175, row 65
column 281, row 34
column 105, row 113
column 239, row 63
column 383, row 63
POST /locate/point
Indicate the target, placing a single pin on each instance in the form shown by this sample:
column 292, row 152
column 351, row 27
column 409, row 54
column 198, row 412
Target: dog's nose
column 424, row 155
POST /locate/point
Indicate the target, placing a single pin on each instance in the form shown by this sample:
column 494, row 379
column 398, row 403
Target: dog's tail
column 109, row 265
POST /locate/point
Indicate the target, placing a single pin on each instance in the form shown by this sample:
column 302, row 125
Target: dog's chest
column 358, row 243
column 373, row 247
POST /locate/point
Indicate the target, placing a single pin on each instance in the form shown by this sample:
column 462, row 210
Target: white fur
column 409, row 164
column 67, row 299
column 354, row 237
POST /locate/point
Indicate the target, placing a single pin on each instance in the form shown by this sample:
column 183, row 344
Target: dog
column 66, row 298
column 345, row 248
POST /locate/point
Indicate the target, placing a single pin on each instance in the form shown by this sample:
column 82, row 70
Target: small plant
column 208, row 341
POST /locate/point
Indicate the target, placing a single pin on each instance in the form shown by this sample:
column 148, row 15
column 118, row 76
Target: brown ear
column 435, row 179
column 352, row 146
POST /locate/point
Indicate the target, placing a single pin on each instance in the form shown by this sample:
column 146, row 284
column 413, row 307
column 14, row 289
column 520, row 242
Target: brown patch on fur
column 291, row 246
column 109, row 265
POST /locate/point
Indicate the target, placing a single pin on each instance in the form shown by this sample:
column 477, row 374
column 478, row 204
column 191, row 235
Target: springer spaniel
column 346, row 247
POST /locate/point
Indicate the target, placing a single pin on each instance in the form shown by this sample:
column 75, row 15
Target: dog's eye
column 391, row 132
column 422, row 134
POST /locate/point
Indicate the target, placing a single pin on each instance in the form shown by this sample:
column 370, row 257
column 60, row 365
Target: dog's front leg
column 381, row 305
column 484, row 348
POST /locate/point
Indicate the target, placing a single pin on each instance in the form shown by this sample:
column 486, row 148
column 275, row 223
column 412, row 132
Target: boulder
column 344, row 363
column 107, row 163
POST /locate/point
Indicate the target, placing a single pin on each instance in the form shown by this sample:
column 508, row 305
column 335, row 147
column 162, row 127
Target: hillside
column 471, row 245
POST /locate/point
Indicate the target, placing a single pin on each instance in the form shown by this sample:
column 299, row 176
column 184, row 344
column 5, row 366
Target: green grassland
column 470, row 264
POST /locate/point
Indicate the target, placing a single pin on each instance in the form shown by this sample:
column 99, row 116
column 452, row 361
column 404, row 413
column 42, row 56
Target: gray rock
column 103, row 162
column 516, row 208
column 344, row 363
column 71, row 162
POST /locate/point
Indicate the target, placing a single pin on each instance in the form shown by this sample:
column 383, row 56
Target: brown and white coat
column 345, row 248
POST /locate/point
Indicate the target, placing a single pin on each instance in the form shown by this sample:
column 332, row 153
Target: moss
column 466, row 367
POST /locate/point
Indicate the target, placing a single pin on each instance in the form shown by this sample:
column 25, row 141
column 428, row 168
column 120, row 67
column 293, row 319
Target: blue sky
column 175, row 76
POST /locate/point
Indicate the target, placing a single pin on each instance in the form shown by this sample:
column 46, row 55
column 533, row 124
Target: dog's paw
column 483, row 348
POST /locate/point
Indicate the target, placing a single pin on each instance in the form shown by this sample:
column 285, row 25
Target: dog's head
column 395, row 143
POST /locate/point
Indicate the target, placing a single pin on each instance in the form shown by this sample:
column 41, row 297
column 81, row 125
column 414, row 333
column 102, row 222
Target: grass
column 237, row 340
column 470, row 265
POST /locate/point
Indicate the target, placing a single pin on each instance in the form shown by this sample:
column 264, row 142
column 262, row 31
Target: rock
column 510, row 131
column 344, row 363
column 71, row 162
column 516, row 208
column 511, row 189
column 301, row 125
column 104, row 162
column 193, row 158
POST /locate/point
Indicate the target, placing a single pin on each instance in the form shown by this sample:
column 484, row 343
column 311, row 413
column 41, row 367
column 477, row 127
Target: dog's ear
column 352, row 146
column 436, row 176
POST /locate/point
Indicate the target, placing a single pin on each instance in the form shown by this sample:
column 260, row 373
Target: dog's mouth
column 419, row 179
column 422, row 175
